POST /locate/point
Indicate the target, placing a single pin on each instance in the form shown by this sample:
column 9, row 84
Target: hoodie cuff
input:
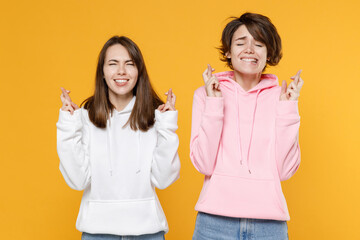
column 66, row 117
column 214, row 105
column 166, row 119
column 288, row 107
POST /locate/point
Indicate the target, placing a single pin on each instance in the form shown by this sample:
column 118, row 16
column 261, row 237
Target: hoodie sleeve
column 206, row 129
column 287, row 138
column 165, row 167
column 72, row 148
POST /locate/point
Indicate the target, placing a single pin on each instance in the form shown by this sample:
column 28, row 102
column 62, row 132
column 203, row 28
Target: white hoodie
column 119, row 169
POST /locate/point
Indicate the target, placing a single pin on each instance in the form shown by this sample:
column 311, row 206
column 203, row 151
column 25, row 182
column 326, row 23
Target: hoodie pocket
column 122, row 217
column 242, row 197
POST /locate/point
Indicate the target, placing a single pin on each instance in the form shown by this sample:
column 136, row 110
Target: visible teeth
column 120, row 81
column 249, row 60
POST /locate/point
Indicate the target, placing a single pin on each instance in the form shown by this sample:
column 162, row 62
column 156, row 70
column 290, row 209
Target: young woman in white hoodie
column 118, row 147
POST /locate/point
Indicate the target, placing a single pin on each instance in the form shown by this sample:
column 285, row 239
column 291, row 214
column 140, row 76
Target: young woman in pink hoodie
column 244, row 137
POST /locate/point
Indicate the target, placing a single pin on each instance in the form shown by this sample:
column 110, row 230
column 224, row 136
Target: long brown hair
column 99, row 106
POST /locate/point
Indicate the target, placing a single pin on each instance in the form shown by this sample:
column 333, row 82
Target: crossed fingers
column 170, row 102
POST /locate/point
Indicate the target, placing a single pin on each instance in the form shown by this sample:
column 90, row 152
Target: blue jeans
column 155, row 236
column 226, row 228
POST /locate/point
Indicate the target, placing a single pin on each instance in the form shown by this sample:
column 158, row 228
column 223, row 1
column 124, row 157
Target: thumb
column 283, row 87
column 74, row 105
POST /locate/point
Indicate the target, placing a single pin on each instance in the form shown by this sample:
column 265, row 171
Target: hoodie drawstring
column 138, row 159
column 252, row 128
column 238, row 124
column 267, row 81
column 251, row 131
column 108, row 131
column 109, row 149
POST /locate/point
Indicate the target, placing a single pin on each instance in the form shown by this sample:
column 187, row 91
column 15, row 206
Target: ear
column 228, row 55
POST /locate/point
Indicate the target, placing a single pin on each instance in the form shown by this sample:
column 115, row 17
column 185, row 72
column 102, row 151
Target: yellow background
column 48, row 44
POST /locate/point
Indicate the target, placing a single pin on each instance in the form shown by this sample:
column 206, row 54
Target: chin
column 123, row 93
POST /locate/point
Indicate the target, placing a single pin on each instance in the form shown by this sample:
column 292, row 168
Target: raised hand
column 68, row 105
column 170, row 102
column 212, row 84
column 292, row 92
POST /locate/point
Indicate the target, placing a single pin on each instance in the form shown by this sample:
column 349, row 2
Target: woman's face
column 248, row 56
column 120, row 72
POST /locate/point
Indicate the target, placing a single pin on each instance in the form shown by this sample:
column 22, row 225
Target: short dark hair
column 262, row 30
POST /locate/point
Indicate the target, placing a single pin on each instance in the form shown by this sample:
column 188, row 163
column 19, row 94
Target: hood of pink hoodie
column 227, row 79
column 227, row 83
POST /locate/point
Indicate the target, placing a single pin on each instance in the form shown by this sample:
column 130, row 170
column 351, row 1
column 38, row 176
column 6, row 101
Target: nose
column 249, row 48
column 121, row 69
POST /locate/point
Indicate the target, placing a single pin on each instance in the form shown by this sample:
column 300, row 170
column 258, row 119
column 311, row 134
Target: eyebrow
column 114, row 60
column 241, row 38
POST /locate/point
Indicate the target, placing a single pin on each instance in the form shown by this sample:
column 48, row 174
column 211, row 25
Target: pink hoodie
column 244, row 143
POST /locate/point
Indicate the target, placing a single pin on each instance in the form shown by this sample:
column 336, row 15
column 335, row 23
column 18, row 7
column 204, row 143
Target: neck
column 247, row 81
column 120, row 101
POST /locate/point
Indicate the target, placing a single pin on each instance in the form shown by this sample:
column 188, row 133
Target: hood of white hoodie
column 128, row 108
column 123, row 113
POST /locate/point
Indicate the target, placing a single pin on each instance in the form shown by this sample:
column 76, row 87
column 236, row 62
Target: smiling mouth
column 121, row 80
column 252, row 60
